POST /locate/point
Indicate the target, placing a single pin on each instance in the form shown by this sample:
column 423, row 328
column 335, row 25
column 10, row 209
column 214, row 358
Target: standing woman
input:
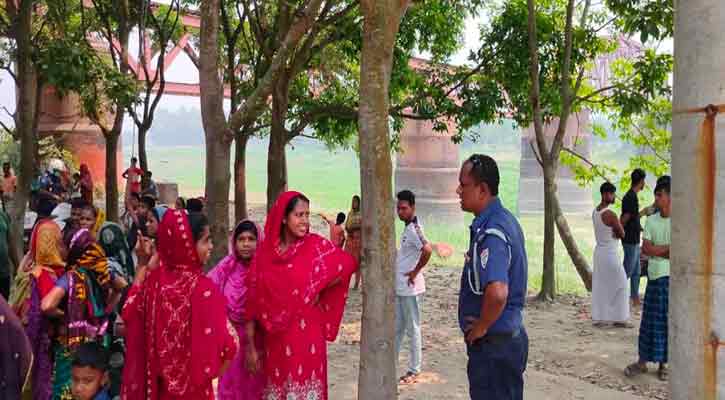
column 82, row 299
column 353, row 227
column 178, row 336
column 240, row 382
column 86, row 184
column 299, row 282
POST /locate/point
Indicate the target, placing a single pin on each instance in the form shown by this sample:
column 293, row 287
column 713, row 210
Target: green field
column 331, row 178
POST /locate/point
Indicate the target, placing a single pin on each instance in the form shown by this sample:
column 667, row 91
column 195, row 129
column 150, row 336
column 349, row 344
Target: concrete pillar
column 62, row 116
column 574, row 199
column 697, row 285
column 428, row 166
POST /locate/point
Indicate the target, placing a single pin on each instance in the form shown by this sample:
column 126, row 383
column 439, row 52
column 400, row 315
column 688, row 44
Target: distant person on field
column 610, row 287
column 151, row 190
column 337, row 228
column 653, row 329
column 412, row 257
column 86, row 184
column 133, row 177
column 9, row 181
column 353, row 228
column 493, row 287
column 630, row 220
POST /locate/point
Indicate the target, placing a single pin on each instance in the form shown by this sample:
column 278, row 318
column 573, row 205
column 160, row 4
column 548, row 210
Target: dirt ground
column 569, row 358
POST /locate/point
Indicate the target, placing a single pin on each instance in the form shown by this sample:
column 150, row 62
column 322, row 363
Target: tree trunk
column 580, row 262
column 276, row 168
column 240, row 181
column 276, row 157
column 217, row 133
column 142, row 157
column 377, row 379
column 112, row 173
column 548, row 276
column 26, row 120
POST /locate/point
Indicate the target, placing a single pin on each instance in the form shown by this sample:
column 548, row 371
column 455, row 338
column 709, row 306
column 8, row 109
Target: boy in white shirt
column 413, row 255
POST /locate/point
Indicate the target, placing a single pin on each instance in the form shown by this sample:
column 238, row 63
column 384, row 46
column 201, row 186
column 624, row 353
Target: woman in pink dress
column 230, row 275
column 178, row 336
column 298, row 284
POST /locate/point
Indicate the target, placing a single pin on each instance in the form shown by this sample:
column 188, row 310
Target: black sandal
column 635, row 369
column 409, row 378
column 663, row 374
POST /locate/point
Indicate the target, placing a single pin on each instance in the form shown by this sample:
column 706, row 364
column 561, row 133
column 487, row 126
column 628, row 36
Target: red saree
column 297, row 305
column 177, row 333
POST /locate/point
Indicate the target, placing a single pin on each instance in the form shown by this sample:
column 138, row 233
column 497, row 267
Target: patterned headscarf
column 85, row 253
column 113, row 241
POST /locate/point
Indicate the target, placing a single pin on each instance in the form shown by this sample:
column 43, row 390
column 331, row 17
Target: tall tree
column 377, row 378
column 220, row 131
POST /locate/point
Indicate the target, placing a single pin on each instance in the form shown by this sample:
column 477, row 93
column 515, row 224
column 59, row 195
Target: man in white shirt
column 413, row 255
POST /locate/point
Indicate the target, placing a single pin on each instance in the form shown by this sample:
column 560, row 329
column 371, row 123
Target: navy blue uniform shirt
column 496, row 253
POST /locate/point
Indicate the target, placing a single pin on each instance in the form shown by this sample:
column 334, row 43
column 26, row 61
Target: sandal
column 409, row 378
column 663, row 374
column 635, row 369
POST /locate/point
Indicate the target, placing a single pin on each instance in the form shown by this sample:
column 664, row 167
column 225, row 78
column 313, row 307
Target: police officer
column 493, row 287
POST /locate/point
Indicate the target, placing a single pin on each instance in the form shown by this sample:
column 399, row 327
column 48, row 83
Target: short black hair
column 406, row 195
column 485, row 170
column 664, row 179
column 149, row 174
column 91, row 354
column 149, row 201
column 340, row 218
column 198, row 222
column 78, row 203
column 45, row 206
column 77, row 175
column 136, row 196
column 663, row 185
column 183, row 202
column 246, row 226
column 607, row 187
column 134, row 159
column 637, row 176
column 194, row 205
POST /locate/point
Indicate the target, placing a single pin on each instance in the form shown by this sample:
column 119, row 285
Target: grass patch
column 331, row 178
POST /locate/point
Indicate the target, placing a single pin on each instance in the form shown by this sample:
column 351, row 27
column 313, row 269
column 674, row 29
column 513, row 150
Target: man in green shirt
column 656, row 245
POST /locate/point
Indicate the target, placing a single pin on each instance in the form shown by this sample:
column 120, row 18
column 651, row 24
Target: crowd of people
column 100, row 310
column 615, row 282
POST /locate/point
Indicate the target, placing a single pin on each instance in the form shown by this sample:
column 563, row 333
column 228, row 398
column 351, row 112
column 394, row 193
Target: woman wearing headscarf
column 120, row 261
column 83, row 298
column 298, row 285
column 86, row 184
column 178, row 336
column 353, row 228
column 240, row 382
column 34, row 280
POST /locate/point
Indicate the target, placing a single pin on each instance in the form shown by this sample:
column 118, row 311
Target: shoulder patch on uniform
column 419, row 232
column 484, row 258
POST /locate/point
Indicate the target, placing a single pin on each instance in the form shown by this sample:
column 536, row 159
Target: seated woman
column 82, row 299
column 177, row 333
column 240, row 382
column 298, row 285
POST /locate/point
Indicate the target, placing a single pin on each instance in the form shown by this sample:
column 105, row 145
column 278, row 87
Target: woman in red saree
column 298, row 285
column 86, row 184
column 177, row 333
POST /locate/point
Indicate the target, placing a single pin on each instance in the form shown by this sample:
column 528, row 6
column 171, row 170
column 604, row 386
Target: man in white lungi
column 610, row 287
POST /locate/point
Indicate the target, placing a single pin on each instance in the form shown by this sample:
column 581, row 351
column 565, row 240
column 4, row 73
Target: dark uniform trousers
column 496, row 366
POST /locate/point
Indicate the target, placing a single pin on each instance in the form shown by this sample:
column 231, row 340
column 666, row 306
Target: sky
column 183, row 71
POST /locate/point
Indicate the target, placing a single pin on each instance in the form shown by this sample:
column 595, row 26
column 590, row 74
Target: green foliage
column 652, row 19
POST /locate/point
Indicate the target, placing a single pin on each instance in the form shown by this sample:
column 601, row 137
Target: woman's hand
column 253, row 363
